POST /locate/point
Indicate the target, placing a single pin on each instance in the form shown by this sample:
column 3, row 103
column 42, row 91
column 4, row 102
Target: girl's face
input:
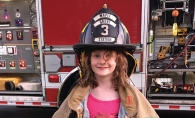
column 103, row 63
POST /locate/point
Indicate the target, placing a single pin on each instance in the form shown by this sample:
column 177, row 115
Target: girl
column 107, row 70
column 106, row 63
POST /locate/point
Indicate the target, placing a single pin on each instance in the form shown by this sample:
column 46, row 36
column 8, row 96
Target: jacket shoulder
column 145, row 110
column 64, row 111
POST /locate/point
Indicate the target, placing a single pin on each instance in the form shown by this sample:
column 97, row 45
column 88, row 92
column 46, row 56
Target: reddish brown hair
column 120, row 72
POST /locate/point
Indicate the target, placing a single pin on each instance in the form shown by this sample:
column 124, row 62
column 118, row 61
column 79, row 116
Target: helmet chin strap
column 127, row 53
column 81, row 64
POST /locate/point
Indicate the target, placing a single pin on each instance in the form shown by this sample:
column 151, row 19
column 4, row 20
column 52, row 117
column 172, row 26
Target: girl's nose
column 102, row 60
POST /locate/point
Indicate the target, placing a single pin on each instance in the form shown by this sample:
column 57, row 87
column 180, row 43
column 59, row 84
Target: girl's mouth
column 102, row 68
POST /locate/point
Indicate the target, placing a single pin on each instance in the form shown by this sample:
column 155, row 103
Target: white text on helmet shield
column 104, row 39
column 104, row 21
column 104, row 15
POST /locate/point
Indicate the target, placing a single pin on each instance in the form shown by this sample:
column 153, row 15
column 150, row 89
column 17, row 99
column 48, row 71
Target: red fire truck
column 38, row 65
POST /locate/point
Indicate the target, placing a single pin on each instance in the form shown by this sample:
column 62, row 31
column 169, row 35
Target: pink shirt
column 103, row 109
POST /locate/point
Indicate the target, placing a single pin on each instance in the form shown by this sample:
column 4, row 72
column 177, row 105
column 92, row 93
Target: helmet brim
column 119, row 47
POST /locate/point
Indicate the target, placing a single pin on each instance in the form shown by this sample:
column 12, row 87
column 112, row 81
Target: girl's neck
column 105, row 91
column 104, row 82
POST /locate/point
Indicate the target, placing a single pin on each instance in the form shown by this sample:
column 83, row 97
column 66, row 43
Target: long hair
column 119, row 76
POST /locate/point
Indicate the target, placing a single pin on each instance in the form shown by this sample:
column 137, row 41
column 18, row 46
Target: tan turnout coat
column 133, row 103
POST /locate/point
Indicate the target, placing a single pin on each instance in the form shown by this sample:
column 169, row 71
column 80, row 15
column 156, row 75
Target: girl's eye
column 96, row 55
column 107, row 55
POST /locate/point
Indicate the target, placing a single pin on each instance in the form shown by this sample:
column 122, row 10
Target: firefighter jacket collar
column 133, row 101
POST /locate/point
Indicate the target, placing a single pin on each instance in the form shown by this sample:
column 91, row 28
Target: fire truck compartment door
column 52, row 63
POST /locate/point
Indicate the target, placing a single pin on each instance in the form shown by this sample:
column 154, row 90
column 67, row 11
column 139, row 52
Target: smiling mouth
column 102, row 67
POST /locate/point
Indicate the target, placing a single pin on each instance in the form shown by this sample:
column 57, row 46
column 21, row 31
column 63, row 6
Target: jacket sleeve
column 145, row 110
column 64, row 111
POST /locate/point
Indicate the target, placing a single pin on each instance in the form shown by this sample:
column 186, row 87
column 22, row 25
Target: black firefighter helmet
column 106, row 31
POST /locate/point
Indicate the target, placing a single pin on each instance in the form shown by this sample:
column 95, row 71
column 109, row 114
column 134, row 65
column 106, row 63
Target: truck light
column 6, row 15
column 54, row 78
column 185, row 89
column 22, row 64
column 9, row 35
column 36, row 53
column 12, row 63
column 2, row 63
